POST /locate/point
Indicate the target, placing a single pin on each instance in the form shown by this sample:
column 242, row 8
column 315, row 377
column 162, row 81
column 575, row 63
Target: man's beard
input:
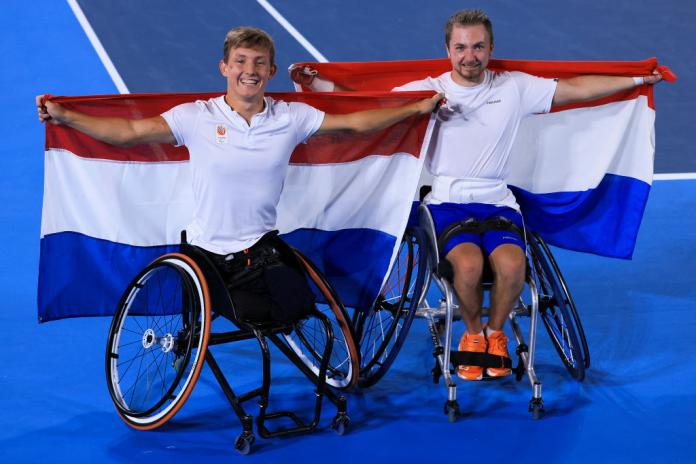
column 471, row 73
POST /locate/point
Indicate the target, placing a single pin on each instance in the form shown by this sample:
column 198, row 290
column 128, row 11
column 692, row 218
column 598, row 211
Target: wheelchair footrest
column 300, row 426
column 469, row 358
column 288, row 414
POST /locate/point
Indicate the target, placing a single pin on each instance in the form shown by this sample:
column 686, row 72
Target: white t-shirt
column 238, row 169
column 470, row 149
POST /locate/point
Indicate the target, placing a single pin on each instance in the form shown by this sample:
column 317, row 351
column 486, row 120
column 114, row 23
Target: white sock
column 489, row 331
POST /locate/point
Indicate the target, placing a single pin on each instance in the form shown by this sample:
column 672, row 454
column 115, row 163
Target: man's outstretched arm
column 369, row 120
column 115, row 131
column 584, row 88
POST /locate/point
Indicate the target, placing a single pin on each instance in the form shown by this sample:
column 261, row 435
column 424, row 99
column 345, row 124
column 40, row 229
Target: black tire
column 157, row 341
column 558, row 311
column 383, row 329
column 308, row 338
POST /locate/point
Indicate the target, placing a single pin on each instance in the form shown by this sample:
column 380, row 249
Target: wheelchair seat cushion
column 264, row 284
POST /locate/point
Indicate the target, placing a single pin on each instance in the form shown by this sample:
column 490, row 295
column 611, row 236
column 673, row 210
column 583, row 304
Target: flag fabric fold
column 582, row 173
column 109, row 211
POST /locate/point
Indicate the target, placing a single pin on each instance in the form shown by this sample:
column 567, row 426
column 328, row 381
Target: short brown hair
column 248, row 37
column 470, row 17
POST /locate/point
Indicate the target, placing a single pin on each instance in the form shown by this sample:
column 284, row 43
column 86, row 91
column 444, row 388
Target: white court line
column 294, row 32
column 675, row 176
column 103, row 56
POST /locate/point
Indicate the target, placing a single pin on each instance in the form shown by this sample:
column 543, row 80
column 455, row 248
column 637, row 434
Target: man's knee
column 467, row 263
column 509, row 265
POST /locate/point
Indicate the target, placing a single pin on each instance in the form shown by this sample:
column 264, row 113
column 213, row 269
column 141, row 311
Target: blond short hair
column 248, row 37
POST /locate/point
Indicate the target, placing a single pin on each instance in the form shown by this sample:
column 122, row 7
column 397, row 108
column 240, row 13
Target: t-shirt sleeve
column 536, row 93
column 307, row 120
column 182, row 120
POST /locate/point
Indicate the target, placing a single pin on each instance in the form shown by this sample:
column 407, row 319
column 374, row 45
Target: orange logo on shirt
column 221, row 133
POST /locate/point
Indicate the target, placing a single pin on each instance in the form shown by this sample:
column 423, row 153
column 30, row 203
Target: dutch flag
column 109, row 211
column 582, row 173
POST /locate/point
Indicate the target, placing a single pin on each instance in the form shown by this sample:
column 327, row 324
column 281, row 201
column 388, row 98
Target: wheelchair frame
column 552, row 302
column 176, row 344
column 443, row 353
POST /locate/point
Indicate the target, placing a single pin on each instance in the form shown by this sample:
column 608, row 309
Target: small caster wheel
column 452, row 411
column 340, row 423
column 536, row 407
column 243, row 443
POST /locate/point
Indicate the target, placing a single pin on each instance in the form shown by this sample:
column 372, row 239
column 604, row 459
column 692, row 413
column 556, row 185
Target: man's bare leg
column 508, row 263
column 467, row 263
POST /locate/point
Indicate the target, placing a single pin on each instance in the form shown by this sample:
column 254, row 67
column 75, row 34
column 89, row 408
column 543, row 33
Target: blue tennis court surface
column 637, row 403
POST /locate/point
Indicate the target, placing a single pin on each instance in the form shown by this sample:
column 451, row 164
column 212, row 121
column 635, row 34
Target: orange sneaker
column 477, row 344
column 497, row 345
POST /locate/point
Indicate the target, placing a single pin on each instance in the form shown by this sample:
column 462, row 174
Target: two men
column 469, row 156
column 237, row 176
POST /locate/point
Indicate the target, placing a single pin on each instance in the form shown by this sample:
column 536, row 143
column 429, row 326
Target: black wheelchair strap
column 471, row 226
column 469, row 358
column 220, row 299
column 445, row 270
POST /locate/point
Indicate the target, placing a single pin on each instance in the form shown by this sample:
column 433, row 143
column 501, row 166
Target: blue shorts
column 446, row 214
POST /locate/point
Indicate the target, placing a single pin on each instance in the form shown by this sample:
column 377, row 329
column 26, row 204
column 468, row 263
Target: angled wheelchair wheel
column 558, row 311
column 383, row 328
column 158, row 340
column 308, row 338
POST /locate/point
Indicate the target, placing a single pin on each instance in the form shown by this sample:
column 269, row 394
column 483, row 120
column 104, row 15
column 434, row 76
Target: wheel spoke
column 382, row 331
column 145, row 379
column 309, row 340
column 556, row 309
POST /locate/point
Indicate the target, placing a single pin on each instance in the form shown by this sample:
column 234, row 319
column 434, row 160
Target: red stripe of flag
column 405, row 137
column 385, row 75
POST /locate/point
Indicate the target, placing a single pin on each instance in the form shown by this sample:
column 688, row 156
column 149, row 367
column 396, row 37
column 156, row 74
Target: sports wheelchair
column 161, row 333
column 404, row 297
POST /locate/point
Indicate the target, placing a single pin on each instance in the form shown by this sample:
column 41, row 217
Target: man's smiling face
column 469, row 51
column 248, row 71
